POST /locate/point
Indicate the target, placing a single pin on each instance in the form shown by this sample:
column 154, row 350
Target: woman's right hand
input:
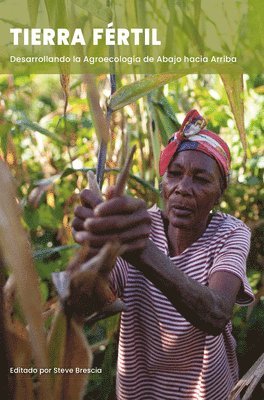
column 86, row 210
column 121, row 218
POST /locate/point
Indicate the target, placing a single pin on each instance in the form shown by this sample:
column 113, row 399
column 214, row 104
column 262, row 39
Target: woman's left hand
column 121, row 218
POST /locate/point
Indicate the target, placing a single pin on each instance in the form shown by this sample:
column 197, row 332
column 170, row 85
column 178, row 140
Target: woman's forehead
column 195, row 160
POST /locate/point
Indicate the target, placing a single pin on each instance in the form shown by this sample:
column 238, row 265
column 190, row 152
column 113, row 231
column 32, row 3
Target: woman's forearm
column 203, row 307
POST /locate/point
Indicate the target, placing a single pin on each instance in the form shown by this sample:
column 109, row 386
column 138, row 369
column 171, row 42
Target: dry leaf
column 19, row 258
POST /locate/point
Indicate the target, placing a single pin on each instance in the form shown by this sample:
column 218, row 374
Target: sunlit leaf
column 165, row 121
column 101, row 123
column 26, row 277
column 21, row 355
column 33, row 7
column 35, row 127
column 234, row 89
column 4, row 131
column 154, row 137
column 56, row 11
column 96, row 8
column 132, row 92
column 107, row 367
column 56, row 348
column 77, row 355
column 68, row 348
column 14, row 23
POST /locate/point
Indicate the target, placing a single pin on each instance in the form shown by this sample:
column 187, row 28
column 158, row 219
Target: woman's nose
column 184, row 186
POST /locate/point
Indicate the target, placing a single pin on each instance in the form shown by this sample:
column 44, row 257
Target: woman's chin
column 181, row 221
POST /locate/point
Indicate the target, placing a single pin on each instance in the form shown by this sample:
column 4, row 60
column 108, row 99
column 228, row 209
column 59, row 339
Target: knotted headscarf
column 193, row 136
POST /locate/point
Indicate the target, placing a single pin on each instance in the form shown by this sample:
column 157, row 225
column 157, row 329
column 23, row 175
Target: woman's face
column 191, row 187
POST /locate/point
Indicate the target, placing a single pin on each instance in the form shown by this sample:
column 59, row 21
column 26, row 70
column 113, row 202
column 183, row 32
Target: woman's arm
column 207, row 308
column 126, row 219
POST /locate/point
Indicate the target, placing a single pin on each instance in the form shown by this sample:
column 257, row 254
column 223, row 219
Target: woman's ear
column 219, row 197
column 222, row 188
column 217, row 201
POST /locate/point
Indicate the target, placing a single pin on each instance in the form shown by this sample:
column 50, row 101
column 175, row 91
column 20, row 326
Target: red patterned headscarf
column 193, row 136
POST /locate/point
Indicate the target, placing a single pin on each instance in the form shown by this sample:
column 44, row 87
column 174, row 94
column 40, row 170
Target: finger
column 80, row 236
column 89, row 199
column 77, row 224
column 83, row 212
column 119, row 205
column 117, row 223
column 125, row 237
column 74, row 232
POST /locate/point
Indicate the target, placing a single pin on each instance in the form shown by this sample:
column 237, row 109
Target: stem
column 103, row 145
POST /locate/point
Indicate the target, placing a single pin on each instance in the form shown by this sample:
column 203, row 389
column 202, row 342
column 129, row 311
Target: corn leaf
column 96, row 8
column 33, row 7
column 19, row 258
column 165, row 120
column 234, row 89
column 107, row 367
column 77, row 355
column 20, row 353
column 100, row 122
column 57, row 13
column 154, row 137
column 4, row 132
column 25, row 123
column 14, row 23
column 56, row 348
column 132, row 92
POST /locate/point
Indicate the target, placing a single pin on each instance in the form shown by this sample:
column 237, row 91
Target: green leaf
column 96, row 8
column 44, row 291
column 130, row 93
column 4, row 131
column 33, row 7
column 57, row 14
column 70, row 171
column 157, row 97
column 56, row 346
column 165, row 121
column 25, row 123
column 14, row 23
column 45, row 253
column 108, row 368
column 50, row 217
column 234, row 89
column 154, row 137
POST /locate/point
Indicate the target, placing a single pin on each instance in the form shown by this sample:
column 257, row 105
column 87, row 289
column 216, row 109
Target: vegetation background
column 48, row 139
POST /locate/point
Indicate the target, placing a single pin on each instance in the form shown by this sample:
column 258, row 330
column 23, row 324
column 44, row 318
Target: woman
column 181, row 275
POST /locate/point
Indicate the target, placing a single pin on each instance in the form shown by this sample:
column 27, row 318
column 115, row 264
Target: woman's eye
column 174, row 173
column 202, row 179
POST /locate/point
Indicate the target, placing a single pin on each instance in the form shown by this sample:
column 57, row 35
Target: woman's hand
column 120, row 218
column 89, row 201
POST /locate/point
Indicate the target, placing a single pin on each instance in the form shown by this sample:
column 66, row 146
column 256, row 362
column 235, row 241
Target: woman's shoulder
column 229, row 220
column 227, row 224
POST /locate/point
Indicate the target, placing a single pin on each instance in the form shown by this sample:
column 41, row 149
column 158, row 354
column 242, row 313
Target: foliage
column 48, row 154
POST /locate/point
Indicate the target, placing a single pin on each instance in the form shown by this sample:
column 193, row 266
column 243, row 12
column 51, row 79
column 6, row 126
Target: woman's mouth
column 181, row 211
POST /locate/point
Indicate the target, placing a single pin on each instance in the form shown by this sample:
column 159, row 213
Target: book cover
column 81, row 83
